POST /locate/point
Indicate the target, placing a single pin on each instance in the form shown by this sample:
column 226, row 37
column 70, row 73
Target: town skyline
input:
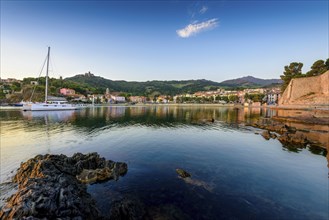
column 141, row 41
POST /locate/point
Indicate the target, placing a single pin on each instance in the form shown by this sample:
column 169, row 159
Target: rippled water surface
column 235, row 173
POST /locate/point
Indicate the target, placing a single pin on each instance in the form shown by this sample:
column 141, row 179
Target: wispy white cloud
column 193, row 29
column 203, row 9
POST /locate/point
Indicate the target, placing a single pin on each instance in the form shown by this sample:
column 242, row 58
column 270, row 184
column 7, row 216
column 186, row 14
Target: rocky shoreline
column 284, row 133
column 277, row 128
column 53, row 187
column 297, row 137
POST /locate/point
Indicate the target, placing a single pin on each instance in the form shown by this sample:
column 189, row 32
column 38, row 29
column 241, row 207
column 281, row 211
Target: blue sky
column 162, row 40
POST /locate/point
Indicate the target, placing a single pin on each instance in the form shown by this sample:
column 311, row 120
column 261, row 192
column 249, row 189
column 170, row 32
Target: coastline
column 289, row 107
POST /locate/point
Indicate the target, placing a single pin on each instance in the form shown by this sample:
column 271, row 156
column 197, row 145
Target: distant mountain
column 172, row 87
column 250, row 81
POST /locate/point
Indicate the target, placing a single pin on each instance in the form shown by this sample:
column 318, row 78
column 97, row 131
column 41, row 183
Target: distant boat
column 49, row 104
column 18, row 104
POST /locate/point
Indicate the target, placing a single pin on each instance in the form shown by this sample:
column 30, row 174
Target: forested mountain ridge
column 171, row 87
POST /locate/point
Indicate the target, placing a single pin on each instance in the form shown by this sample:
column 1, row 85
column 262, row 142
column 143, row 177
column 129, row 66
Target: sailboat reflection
column 53, row 116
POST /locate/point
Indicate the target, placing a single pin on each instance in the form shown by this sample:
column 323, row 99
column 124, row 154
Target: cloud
column 203, row 9
column 193, row 29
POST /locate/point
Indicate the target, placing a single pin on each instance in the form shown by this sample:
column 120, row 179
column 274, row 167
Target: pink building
column 67, row 92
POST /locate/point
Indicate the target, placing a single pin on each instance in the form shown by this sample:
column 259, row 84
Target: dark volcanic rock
column 48, row 187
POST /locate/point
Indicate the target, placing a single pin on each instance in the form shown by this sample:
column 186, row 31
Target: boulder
column 48, row 187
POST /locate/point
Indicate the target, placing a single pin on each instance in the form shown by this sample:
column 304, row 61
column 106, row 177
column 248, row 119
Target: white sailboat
column 49, row 105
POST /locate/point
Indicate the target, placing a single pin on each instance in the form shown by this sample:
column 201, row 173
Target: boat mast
column 46, row 92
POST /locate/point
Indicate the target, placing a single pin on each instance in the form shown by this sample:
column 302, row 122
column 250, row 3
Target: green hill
column 172, row 87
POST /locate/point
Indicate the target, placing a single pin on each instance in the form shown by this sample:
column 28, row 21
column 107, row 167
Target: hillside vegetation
column 172, row 87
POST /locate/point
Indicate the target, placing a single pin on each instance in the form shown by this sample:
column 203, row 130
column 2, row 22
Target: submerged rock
column 187, row 179
column 111, row 171
column 48, row 187
column 182, row 173
column 129, row 209
column 199, row 183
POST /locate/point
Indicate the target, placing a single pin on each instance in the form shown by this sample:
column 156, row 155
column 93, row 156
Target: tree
column 233, row 98
column 155, row 97
column 16, row 86
column 2, row 94
column 294, row 70
column 318, row 68
column 246, row 97
column 327, row 64
column 257, row 97
column 224, row 98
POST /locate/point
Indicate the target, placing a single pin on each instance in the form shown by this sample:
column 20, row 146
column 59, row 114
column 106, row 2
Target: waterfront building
column 138, row 99
column 67, row 92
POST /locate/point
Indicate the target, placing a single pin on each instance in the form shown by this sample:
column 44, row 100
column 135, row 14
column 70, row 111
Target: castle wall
column 309, row 90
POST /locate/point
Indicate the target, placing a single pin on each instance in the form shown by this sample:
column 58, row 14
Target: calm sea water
column 236, row 174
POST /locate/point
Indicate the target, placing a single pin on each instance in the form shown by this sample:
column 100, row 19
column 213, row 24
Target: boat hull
column 48, row 107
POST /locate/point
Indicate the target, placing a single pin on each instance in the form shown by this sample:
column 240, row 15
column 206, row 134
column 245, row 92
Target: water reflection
column 163, row 115
column 93, row 120
column 49, row 116
column 157, row 115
